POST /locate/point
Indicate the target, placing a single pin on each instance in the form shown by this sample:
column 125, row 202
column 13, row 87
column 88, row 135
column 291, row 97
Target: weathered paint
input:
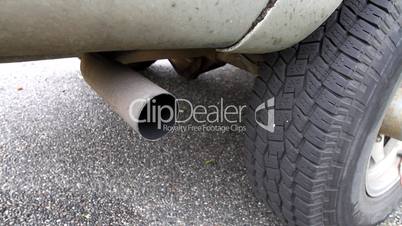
column 51, row 28
column 286, row 23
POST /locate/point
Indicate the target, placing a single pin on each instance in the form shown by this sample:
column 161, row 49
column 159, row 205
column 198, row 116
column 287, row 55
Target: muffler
column 145, row 106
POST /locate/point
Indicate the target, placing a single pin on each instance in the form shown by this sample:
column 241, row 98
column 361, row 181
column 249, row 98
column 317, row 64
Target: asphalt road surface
column 66, row 158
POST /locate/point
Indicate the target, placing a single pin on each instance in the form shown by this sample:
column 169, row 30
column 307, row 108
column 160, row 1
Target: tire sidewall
column 355, row 207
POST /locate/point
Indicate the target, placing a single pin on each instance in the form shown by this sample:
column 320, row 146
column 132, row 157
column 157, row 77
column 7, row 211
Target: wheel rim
column 383, row 167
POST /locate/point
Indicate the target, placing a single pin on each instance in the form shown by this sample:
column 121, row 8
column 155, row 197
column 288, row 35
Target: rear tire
column 330, row 93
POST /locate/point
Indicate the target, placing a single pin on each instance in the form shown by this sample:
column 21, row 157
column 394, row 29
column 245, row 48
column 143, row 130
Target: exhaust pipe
column 145, row 106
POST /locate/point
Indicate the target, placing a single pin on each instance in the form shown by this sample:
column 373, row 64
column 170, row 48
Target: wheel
column 141, row 65
column 314, row 118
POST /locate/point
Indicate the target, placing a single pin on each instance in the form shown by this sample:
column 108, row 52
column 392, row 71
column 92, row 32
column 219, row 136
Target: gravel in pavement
column 66, row 158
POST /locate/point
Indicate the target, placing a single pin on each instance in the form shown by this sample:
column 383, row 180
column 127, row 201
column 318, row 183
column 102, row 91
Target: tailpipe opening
column 157, row 117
